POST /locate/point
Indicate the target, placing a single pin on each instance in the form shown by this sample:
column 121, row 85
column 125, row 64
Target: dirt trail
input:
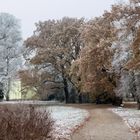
column 103, row 125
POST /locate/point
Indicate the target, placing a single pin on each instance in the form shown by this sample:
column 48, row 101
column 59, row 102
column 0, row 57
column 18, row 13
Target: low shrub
column 24, row 123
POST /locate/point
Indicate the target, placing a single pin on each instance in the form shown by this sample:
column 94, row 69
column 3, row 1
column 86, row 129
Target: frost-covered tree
column 122, row 54
column 127, row 59
column 10, row 49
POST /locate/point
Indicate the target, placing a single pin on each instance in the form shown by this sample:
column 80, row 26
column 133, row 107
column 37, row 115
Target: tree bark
column 66, row 89
column 7, row 74
column 8, row 89
column 138, row 106
column 80, row 98
column 138, row 102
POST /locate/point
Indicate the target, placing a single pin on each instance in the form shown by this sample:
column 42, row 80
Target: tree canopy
column 93, row 56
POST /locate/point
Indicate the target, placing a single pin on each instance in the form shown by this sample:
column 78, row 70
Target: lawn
column 66, row 119
column 131, row 116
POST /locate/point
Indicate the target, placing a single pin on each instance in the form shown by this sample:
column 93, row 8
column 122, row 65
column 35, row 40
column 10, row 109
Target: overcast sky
column 31, row 11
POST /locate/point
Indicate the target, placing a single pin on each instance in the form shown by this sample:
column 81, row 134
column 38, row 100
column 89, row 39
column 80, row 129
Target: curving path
column 103, row 125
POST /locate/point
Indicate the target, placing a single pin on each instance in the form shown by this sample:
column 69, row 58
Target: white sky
column 31, row 11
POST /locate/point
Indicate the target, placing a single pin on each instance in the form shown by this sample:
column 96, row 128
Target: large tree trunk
column 80, row 98
column 66, row 90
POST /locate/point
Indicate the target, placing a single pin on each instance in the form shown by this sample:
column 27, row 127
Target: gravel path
column 103, row 125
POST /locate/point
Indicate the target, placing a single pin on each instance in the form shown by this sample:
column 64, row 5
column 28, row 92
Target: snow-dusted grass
column 67, row 119
column 32, row 102
column 131, row 117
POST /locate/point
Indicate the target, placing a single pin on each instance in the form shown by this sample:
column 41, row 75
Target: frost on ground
column 34, row 102
column 131, row 117
column 67, row 119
